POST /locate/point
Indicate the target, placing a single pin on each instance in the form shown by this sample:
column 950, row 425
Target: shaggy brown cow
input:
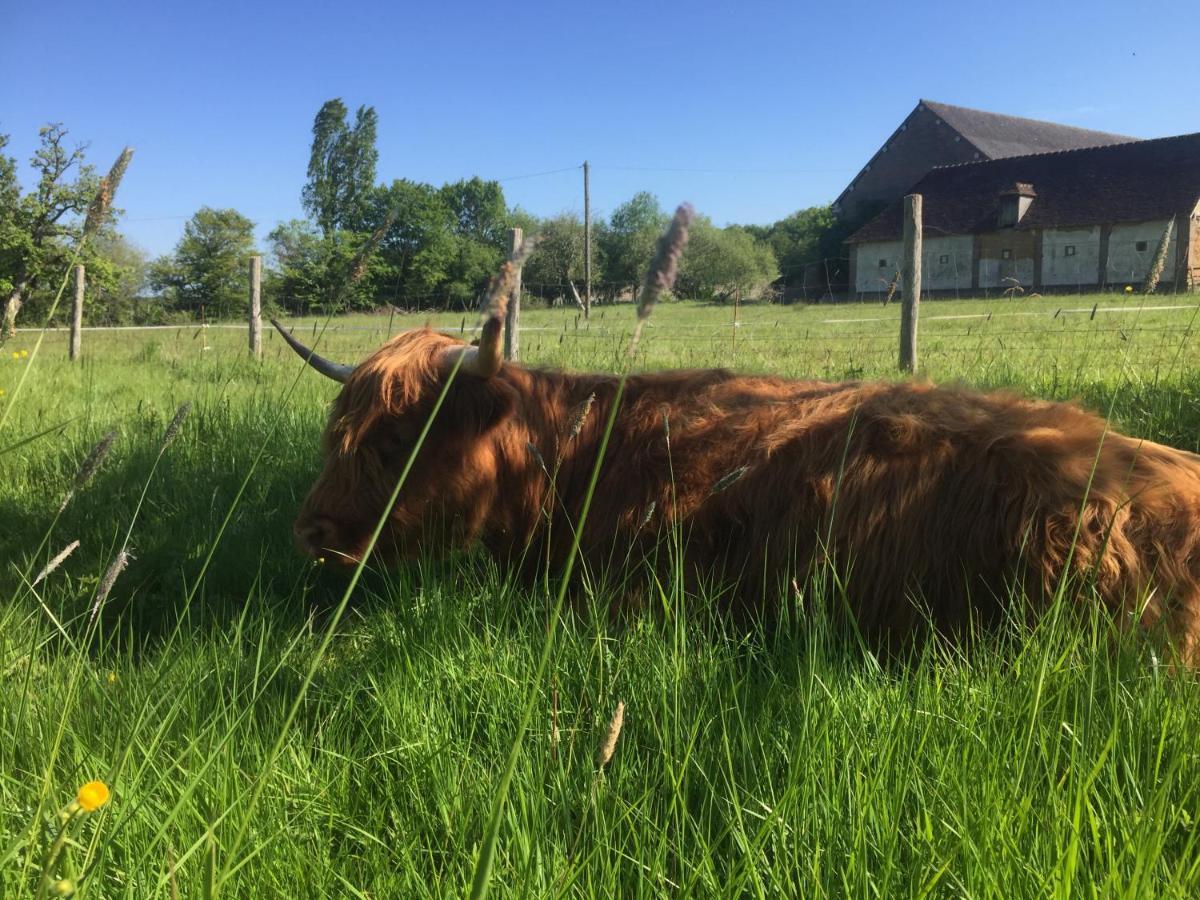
column 944, row 494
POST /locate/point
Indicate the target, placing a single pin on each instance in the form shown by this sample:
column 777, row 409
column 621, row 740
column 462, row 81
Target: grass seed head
column 176, row 425
column 56, row 562
column 102, row 202
column 609, row 746
column 536, row 454
column 660, row 277
column 90, row 465
column 109, row 579
column 579, row 419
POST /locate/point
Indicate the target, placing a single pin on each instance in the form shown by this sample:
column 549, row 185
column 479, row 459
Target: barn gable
column 1069, row 218
column 939, row 134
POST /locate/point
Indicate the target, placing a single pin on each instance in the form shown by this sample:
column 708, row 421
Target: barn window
column 1069, row 250
column 883, row 264
column 944, row 259
column 1141, row 246
column 1006, row 254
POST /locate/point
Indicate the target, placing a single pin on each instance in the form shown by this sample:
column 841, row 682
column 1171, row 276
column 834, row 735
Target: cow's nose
column 317, row 536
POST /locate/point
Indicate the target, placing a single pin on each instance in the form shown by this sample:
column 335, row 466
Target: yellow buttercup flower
column 92, row 796
column 16, row 355
column 24, row 354
column 112, row 677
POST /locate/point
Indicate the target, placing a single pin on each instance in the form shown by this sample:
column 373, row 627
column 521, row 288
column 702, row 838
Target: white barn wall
column 994, row 272
column 1082, row 268
column 955, row 272
column 1128, row 264
column 869, row 274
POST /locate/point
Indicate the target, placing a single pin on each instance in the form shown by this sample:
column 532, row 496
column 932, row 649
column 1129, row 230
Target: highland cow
column 936, row 501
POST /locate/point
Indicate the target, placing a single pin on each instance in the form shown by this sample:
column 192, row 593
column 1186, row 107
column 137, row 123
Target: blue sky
column 749, row 110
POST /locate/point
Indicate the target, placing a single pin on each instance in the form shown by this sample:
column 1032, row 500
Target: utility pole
column 587, row 244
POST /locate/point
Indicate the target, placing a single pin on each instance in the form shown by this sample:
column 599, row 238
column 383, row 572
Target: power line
column 539, row 174
column 724, row 171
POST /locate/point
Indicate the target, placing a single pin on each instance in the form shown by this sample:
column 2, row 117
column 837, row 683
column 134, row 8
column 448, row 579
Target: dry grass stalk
column 1160, row 259
column 90, row 465
column 176, row 425
column 102, row 202
column 56, row 562
column 609, row 746
column 107, row 582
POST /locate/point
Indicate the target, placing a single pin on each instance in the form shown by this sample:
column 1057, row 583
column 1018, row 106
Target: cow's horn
column 337, row 371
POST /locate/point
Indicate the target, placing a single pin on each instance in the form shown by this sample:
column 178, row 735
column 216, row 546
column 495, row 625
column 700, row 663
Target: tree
column 559, row 256
column 720, row 263
column 208, row 267
column 341, row 167
column 477, row 210
column 32, row 232
column 628, row 242
column 117, row 271
column 313, row 273
column 417, row 252
column 804, row 238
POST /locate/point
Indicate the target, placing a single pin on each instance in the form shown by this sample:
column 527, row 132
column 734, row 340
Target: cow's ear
column 479, row 405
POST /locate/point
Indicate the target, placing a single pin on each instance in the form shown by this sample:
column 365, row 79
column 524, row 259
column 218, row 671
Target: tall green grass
column 782, row 762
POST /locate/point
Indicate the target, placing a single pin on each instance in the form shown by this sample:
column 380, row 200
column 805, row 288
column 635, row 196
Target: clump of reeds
column 90, row 465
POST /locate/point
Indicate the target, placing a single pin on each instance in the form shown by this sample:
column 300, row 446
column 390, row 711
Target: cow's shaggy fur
column 933, row 502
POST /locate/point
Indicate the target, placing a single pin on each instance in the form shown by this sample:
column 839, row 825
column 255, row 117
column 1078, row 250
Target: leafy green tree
column 208, row 267
column 628, row 241
column 117, row 271
column 558, row 261
column 417, row 252
column 36, row 229
column 805, row 237
column 341, row 167
column 722, row 262
column 477, row 210
column 312, row 273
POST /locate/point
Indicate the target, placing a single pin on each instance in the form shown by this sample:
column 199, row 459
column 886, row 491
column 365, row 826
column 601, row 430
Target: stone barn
column 938, row 134
column 1067, row 220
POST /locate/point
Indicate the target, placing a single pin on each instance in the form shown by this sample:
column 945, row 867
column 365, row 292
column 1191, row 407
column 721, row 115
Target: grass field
column 252, row 752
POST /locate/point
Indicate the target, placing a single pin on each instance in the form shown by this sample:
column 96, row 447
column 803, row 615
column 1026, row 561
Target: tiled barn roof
column 998, row 136
column 1133, row 182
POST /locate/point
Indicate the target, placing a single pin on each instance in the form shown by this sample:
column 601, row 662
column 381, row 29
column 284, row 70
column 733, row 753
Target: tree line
column 437, row 246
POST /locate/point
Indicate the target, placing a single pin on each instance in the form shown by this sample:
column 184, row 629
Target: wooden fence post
column 256, row 306
column 911, row 301
column 77, row 315
column 512, row 318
